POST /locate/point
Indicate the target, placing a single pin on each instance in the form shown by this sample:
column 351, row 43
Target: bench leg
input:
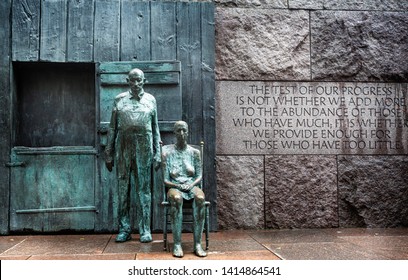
column 207, row 227
column 165, row 229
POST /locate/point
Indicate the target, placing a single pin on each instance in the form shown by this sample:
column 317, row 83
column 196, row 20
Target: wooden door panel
column 53, row 189
column 53, row 162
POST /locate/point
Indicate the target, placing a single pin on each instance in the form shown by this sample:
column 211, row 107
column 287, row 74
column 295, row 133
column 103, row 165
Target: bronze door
column 53, row 160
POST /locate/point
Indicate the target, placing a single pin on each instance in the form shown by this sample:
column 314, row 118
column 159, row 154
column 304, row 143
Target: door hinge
column 16, row 164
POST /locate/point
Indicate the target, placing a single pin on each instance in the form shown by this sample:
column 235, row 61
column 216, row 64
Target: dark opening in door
column 55, row 104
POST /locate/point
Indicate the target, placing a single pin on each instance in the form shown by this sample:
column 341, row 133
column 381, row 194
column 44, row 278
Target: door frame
column 16, row 151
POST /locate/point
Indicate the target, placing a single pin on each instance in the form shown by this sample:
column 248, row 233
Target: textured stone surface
column 382, row 5
column 253, row 3
column 240, row 186
column 373, row 191
column 301, row 191
column 359, row 46
column 306, row 4
column 258, row 44
column 376, row 5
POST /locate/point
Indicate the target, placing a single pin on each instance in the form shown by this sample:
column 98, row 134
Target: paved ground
column 305, row 244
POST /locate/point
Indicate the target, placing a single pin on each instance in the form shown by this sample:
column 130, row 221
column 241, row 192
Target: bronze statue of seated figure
column 182, row 172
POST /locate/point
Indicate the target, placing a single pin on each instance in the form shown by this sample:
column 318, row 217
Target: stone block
column 301, row 191
column 373, row 191
column 366, row 5
column 359, row 46
column 253, row 3
column 306, row 4
column 381, row 5
column 240, row 187
column 262, row 44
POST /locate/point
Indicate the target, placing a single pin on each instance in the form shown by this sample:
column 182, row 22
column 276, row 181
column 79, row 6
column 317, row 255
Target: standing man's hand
column 109, row 165
column 108, row 159
column 157, row 162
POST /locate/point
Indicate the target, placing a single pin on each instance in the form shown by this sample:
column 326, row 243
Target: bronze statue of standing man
column 133, row 147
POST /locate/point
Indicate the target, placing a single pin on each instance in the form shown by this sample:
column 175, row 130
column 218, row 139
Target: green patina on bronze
column 133, row 146
column 172, row 43
column 182, row 171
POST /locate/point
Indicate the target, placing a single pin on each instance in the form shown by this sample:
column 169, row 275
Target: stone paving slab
column 85, row 257
column 14, row 258
column 337, row 244
column 323, row 251
column 59, row 244
column 7, row 242
column 339, row 232
column 292, row 236
column 391, row 247
column 133, row 246
column 295, row 244
column 213, row 255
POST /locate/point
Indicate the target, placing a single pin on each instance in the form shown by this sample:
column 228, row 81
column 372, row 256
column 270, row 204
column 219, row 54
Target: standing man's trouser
column 142, row 180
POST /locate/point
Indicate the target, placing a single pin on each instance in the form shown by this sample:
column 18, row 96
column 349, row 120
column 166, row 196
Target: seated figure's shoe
column 178, row 251
column 199, row 251
column 123, row 237
column 146, row 237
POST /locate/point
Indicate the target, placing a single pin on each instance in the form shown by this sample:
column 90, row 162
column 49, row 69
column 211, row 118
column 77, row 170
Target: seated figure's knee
column 199, row 199
column 175, row 198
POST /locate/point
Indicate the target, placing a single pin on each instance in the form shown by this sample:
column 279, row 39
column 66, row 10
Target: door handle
column 16, row 164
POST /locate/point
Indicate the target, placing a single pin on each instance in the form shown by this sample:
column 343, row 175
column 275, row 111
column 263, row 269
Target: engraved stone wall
column 312, row 118
column 317, row 91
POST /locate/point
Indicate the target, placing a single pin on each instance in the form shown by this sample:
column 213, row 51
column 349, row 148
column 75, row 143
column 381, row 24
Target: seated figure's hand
column 186, row 187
